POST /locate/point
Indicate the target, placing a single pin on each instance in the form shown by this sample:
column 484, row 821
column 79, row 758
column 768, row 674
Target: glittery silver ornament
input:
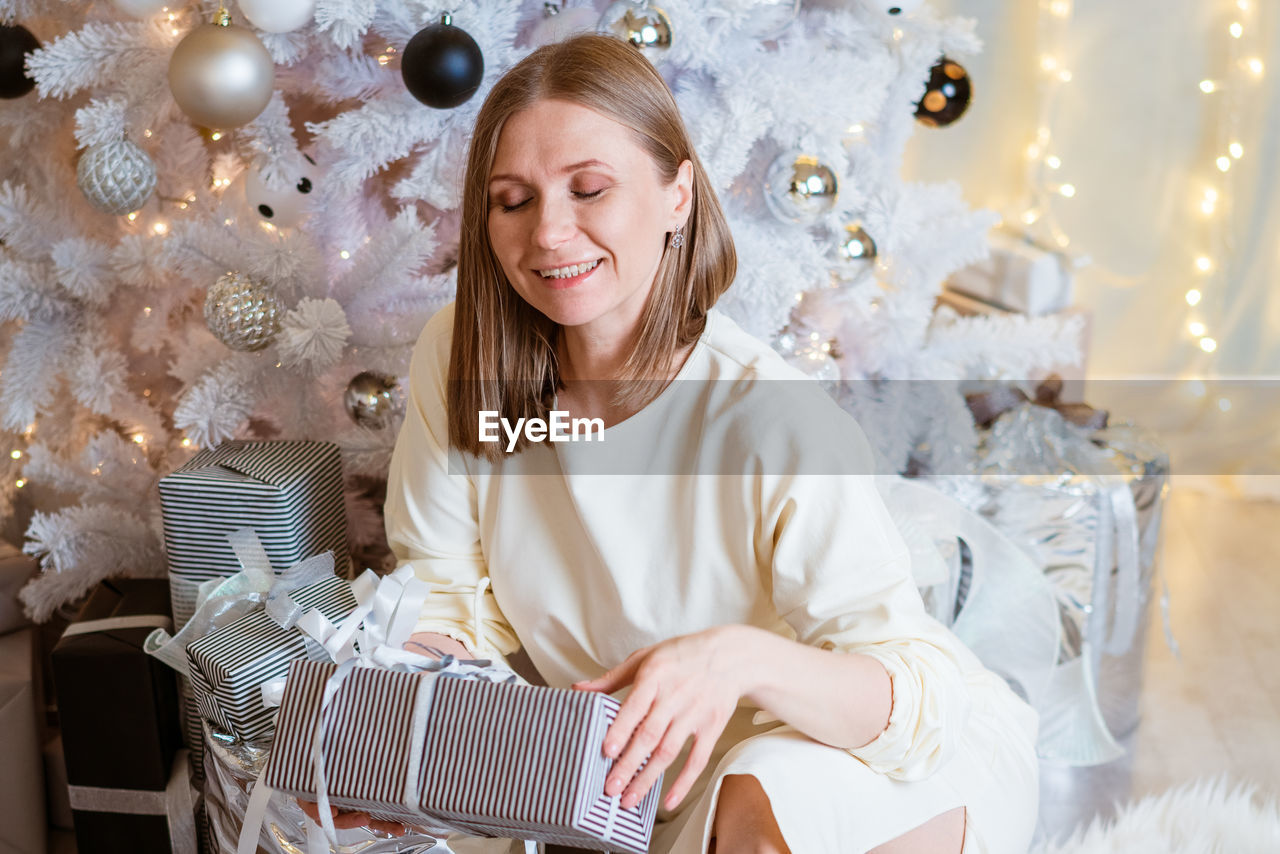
column 116, row 177
column 647, row 27
column 241, row 312
column 857, row 244
column 374, row 400
column 221, row 75
column 800, row 188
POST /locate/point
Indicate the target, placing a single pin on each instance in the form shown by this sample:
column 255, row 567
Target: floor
column 1215, row 709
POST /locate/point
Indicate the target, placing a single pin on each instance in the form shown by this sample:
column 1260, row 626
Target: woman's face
column 578, row 216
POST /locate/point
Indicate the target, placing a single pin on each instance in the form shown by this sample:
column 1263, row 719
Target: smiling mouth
column 569, row 272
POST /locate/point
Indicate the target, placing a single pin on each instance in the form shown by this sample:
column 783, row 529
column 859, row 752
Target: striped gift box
column 229, row 665
column 289, row 492
column 497, row 760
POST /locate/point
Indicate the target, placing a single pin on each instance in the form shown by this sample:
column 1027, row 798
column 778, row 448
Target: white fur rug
column 1204, row 817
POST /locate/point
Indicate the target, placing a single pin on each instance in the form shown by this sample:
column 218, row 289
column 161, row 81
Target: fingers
column 636, row 708
column 618, row 677
column 703, row 743
column 343, row 820
column 656, row 743
column 391, row 828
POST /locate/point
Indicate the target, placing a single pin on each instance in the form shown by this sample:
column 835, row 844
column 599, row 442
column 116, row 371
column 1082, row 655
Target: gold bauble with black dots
column 946, row 96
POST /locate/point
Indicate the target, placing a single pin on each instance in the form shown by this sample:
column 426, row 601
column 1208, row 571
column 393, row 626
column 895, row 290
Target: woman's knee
column 744, row 820
column 942, row 834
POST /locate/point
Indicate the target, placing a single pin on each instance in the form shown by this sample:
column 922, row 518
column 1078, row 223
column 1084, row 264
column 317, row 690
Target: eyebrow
column 573, row 167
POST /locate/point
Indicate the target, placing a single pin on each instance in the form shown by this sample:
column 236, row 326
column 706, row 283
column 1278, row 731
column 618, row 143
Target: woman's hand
column 343, row 820
column 686, row 686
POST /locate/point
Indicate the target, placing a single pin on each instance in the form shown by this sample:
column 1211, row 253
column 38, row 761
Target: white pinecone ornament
column 116, row 177
column 241, row 312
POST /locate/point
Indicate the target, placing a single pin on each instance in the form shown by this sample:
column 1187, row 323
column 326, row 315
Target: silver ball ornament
column 241, row 312
column 800, row 188
column 141, row 8
column 221, row 76
column 374, row 400
column 116, row 177
column 278, row 16
column 647, row 27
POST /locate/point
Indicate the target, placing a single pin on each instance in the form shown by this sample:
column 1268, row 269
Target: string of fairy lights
column 1241, row 69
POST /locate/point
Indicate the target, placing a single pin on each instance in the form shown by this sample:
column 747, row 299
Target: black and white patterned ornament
column 286, row 207
column 116, row 177
column 242, row 312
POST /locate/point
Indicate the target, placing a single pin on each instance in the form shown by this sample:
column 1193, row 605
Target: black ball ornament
column 442, row 65
column 946, row 96
column 15, row 43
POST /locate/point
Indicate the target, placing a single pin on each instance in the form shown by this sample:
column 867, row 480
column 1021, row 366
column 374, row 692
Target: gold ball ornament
column 374, row 400
column 857, row 244
column 647, row 27
column 241, row 312
column 221, row 75
column 800, row 188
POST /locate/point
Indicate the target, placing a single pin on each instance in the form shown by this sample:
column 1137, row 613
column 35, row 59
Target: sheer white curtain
column 1138, row 140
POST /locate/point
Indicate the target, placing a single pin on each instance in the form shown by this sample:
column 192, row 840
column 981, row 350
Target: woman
column 781, row 668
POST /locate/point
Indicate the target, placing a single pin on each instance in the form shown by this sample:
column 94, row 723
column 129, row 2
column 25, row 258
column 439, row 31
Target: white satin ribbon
column 177, row 803
column 224, row 600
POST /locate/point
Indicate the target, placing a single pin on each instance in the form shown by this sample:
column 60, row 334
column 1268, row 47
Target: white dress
column 712, row 506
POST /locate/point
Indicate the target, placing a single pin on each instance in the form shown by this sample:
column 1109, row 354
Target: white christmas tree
column 111, row 375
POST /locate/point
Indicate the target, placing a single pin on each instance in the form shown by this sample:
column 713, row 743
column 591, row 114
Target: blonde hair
column 503, row 352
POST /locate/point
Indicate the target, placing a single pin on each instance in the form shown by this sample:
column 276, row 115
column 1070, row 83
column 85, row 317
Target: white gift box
column 1018, row 276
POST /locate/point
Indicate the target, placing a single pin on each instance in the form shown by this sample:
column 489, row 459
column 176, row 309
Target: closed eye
column 514, row 207
column 585, row 195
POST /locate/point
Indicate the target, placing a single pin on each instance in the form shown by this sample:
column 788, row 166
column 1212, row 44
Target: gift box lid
column 117, row 705
column 246, row 463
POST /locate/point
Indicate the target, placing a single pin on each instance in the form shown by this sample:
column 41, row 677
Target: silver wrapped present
column 1085, row 505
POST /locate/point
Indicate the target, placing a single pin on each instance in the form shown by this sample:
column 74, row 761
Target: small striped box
column 492, row 759
column 229, row 666
column 289, row 492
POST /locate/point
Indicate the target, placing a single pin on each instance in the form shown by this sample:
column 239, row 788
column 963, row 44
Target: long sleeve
column 431, row 512
column 841, row 578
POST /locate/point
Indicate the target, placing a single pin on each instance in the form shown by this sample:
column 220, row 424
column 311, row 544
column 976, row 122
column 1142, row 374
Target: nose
column 554, row 224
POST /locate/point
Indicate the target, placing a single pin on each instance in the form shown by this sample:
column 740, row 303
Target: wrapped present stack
column 330, row 654
column 129, row 783
column 288, row 492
